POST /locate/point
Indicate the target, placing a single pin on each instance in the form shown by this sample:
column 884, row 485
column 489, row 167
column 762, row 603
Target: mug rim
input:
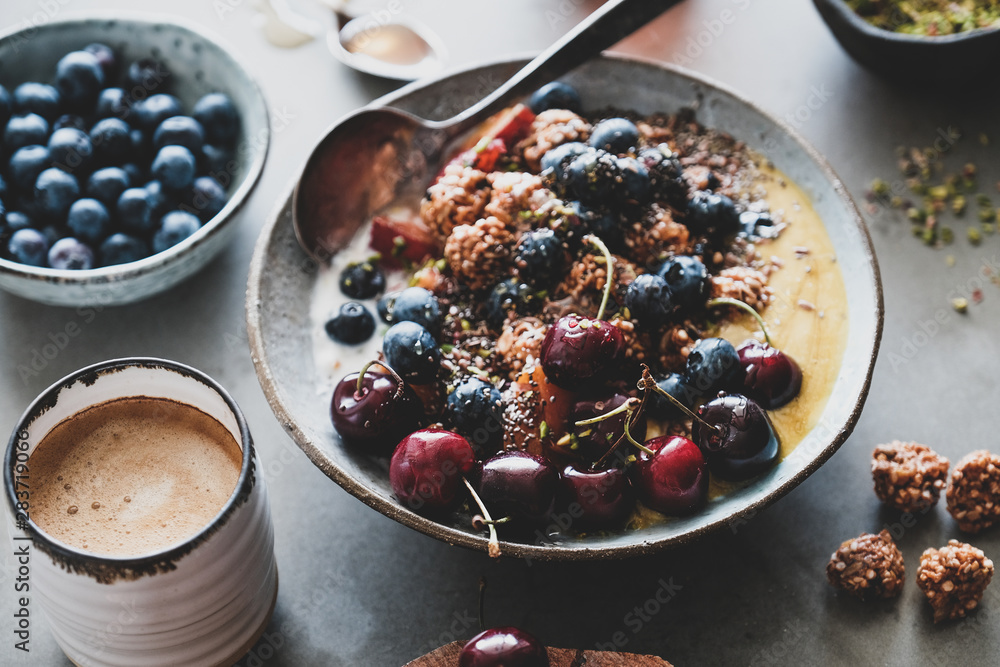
column 107, row 568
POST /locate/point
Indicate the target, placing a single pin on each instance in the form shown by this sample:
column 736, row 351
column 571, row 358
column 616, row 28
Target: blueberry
column 142, row 147
column 121, row 249
column 37, row 98
column 70, row 254
column 416, row 304
column 146, row 74
column 353, row 324
column 713, row 365
column 26, row 164
column 4, row 188
column 6, row 105
column 219, row 117
column 79, row 78
column 88, row 219
column 16, row 220
column 155, row 109
column 135, row 211
column 760, row 225
column 174, row 166
column 175, row 227
column 134, row 172
column 559, row 157
column 677, row 386
column 105, row 58
column 161, row 201
column 688, row 281
column 708, row 212
column 180, row 131
column 384, row 306
column 666, row 175
column 411, row 351
column 615, row 135
column 636, row 185
column 593, row 177
column 107, row 185
column 27, row 130
column 208, row 198
column 362, row 280
column 112, row 103
column 29, row 246
column 215, row 160
column 539, row 257
column 70, row 149
column 112, row 141
column 474, row 409
column 70, row 120
column 510, row 295
column 596, row 221
column 555, row 95
column 648, row 300
column 55, row 190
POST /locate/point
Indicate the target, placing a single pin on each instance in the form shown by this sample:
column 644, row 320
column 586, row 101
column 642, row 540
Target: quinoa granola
column 908, row 476
column 974, row 493
column 868, row 566
column 954, row 578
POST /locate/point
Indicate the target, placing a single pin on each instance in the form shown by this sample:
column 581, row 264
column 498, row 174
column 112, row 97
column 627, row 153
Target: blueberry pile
column 103, row 166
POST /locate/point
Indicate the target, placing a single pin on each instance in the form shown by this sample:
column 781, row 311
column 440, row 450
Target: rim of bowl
column 553, row 552
column 863, row 26
column 150, row 561
column 119, row 272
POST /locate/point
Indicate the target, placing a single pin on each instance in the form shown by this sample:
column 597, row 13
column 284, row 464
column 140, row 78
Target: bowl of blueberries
column 128, row 146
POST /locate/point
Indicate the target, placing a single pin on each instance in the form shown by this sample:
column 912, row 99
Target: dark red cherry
column 593, row 440
column 503, row 647
column 772, row 377
column 380, row 414
column 518, row 484
column 596, row 498
column 743, row 444
column 577, row 350
column 674, row 479
column 427, row 467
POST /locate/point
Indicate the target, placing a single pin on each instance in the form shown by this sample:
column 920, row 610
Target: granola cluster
column 868, row 566
column 908, row 476
column 459, row 197
column 513, row 193
column 974, row 494
column 954, row 578
column 549, row 129
column 743, row 284
column 479, row 252
column 655, row 239
column 586, row 279
column 520, row 344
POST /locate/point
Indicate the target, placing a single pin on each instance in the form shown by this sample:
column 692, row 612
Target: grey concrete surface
column 358, row 589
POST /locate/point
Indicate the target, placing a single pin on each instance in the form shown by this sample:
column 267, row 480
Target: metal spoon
column 370, row 158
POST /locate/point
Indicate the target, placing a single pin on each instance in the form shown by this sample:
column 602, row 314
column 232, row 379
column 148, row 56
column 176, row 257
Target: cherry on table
column 427, row 469
column 772, row 377
column 674, row 478
column 503, row 647
column 379, row 412
column 739, row 441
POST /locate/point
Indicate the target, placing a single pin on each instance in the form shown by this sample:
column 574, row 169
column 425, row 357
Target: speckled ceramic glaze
column 282, row 278
column 200, row 65
column 203, row 601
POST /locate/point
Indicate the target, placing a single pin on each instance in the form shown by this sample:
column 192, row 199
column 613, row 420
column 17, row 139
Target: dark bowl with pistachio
column 899, row 47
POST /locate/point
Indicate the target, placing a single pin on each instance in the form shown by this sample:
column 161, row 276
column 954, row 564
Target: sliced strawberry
column 398, row 239
column 486, row 159
column 483, row 148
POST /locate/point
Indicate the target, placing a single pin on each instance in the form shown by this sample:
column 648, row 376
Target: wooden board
column 447, row 656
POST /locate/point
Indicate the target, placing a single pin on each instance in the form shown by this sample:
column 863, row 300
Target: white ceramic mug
column 204, row 601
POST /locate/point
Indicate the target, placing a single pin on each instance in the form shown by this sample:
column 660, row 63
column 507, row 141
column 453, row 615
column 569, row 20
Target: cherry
column 596, row 498
column 739, row 441
column 593, row 440
column 377, row 411
column 426, row 470
column 503, row 647
column 772, row 376
column 519, row 484
column 577, row 350
column 674, row 479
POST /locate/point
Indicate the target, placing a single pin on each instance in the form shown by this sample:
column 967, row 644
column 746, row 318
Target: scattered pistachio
column 950, row 260
column 960, row 304
column 947, row 236
column 987, row 214
column 958, row 205
column 975, row 238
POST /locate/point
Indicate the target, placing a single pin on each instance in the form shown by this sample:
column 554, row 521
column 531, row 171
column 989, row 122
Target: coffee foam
column 143, row 474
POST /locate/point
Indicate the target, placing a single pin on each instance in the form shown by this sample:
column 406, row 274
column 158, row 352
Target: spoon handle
column 608, row 25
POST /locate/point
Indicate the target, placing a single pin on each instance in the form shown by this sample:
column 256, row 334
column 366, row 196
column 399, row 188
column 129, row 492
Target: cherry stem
column 628, row 406
column 400, row 385
column 635, row 442
column 611, row 271
column 746, row 307
column 647, row 382
column 630, row 419
column 494, row 544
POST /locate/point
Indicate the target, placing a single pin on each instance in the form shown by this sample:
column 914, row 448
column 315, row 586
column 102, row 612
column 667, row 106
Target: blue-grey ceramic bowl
column 199, row 64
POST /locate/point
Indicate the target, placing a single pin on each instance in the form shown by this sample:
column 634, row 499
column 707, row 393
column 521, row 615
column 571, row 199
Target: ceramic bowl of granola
column 511, row 243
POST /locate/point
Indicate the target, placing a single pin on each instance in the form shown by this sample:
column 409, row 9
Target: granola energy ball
column 457, row 198
column 975, row 491
column 868, row 566
column 953, row 578
column 908, row 476
column 549, row 129
column 479, row 254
